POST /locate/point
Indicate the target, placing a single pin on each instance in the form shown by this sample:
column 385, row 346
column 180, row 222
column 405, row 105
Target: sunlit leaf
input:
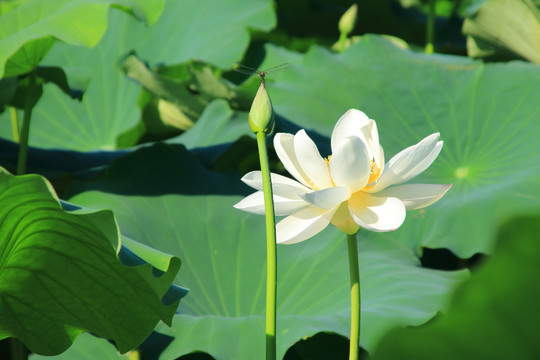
column 31, row 29
column 60, row 275
column 504, row 30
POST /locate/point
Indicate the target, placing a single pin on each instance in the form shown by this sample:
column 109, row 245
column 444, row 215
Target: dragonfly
column 262, row 73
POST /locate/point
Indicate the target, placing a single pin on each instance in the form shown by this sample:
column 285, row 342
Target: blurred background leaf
column 174, row 97
column 493, row 315
column 503, row 30
column 186, row 30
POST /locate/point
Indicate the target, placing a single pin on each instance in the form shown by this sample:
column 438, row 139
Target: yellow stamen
column 327, row 161
column 374, row 174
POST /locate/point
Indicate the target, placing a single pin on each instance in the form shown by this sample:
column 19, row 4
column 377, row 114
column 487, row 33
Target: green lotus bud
column 346, row 23
column 261, row 115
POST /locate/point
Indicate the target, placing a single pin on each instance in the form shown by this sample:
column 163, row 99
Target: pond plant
column 129, row 133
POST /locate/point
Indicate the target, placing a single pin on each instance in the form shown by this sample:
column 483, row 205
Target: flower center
column 374, row 173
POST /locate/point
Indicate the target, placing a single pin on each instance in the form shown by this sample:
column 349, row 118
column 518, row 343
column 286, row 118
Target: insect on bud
column 261, row 115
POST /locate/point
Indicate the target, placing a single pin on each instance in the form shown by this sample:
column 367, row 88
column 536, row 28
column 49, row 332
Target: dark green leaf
column 493, row 315
column 8, row 85
column 58, row 77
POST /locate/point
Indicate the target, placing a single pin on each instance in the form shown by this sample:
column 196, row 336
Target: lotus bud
column 261, row 115
column 346, row 23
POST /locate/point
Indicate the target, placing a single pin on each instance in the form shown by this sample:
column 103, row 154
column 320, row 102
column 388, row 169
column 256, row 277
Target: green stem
column 134, row 354
column 455, row 7
column 271, row 257
column 355, row 296
column 342, row 42
column 430, row 27
column 14, row 123
column 17, row 349
column 25, row 129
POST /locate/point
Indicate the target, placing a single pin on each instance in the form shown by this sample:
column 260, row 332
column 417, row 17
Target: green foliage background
column 138, row 111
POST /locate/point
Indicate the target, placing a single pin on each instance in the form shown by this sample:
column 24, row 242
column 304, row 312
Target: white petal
column 302, row 225
column 284, row 146
column 349, row 124
column 281, row 185
column 311, row 161
column 409, row 162
column 371, row 136
column 327, row 198
column 378, row 152
column 349, row 164
column 377, row 213
column 374, row 137
column 416, row 196
column 254, row 203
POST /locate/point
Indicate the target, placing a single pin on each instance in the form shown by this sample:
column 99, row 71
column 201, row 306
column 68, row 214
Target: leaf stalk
column 355, row 296
column 25, row 129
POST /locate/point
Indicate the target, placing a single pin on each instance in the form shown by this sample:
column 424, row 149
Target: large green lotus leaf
column 487, row 116
column 108, row 105
column 186, row 30
column 195, row 29
column 493, row 315
column 503, row 30
column 29, row 31
column 60, row 274
column 163, row 190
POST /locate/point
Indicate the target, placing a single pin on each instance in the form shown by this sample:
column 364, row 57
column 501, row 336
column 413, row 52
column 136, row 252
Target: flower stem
column 355, row 296
column 271, row 257
column 14, row 123
column 430, row 27
column 341, row 44
column 25, row 129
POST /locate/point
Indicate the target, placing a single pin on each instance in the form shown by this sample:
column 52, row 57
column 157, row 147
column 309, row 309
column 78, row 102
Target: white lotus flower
column 351, row 188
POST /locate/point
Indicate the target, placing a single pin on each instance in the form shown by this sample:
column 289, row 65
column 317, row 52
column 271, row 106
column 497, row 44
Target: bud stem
column 271, row 256
column 430, row 28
